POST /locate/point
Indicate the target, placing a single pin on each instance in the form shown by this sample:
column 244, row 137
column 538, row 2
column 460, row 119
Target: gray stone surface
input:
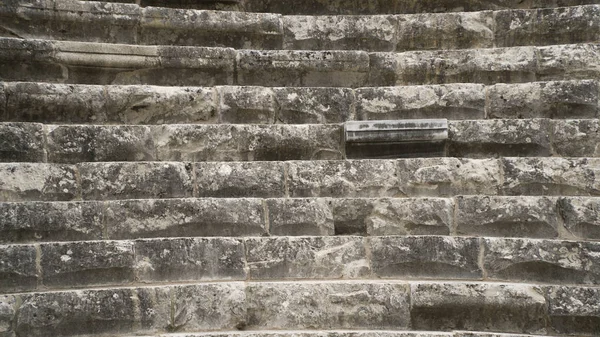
column 18, row 268
column 29, row 182
column 241, row 105
column 292, row 217
column 574, row 310
column 307, row 258
column 577, row 138
column 87, row 263
column 155, row 309
column 581, row 216
column 521, row 216
column 20, row 142
column 314, row 105
column 328, row 305
column 353, row 333
column 8, row 305
column 190, row 259
column 570, row 61
column 135, row 180
column 240, row 179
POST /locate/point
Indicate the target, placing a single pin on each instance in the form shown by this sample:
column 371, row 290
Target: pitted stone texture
column 190, row 259
column 452, row 101
column 448, row 176
column 248, row 142
column 542, row 261
column 4, row 102
column 314, row 105
column 351, row 178
column 569, row 61
column 22, row 142
column 84, row 143
column 500, row 138
column 551, row 176
column 557, row 99
column 353, row 333
column 573, row 310
column 581, row 216
column 30, row 182
column 577, row 138
column 241, row 179
column 478, row 307
column 87, row 263
column 412, row 216
column 155, row 309
column 26, row 60
column 425, row 257
column 328, row 305
column 131, row 219
column 302, row 68
column 240, row 105
column 445, row 31
column 521, row 216
column 374, row 32
column 18, row 271
column 135, row 180
column 292, row 217
column 8, row 305
column 219, row 306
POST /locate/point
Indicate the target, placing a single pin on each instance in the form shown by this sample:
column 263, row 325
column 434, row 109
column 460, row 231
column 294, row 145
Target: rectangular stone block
column 22, row 142
column 8, row 310
column 425, row 257
column 573, row 310
column 405, row 216
column 353, row 333
column 241, row 179
column 438, row 177
column 581, row 216
column 144, row 180
column 87, row 263
column 247, row 105
column 28, row 60
column 350, row 178
column 155, row 310
column 577, row 138
column 328, row 305
column 551, row 176
column 131, row 219
column 569, row 61
column 307, row 258
column 190, row 259
column 293, row 217
column 31, row 182
column 314, row 105
column 18, row 269
column 521, row 216
column 478, row 307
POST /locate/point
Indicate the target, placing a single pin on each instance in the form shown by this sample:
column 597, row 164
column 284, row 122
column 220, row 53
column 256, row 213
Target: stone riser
column 159, row 26
column 385, row 305
column 64, row 104
column 344, row 333
column 97, row 63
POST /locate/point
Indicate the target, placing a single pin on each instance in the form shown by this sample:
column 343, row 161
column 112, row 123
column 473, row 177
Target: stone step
column 101, row 63
column 313, row 305
column 84, row 264
column 32, row 142
column 94, row 104
column 130, row 24
column 343, row 333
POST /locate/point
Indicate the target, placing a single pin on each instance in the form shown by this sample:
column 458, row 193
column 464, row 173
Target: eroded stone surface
column 574, row 310
column 20, row 142
column 240, row 179
column 290, row 217
column 18, row 271
column 29, row 182
column 8, row 305
column 581, row 216
column 569, row 61
column 314, row 105
column 247, row 105
column 577, row 138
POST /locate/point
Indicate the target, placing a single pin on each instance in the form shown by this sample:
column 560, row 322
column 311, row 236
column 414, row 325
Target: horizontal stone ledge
column 343, row 333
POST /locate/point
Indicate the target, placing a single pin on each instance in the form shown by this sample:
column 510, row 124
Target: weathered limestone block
column 240, row 179
column 314, row 105
column 569, row 61
column 307, row 258
column 247, row 105
column 30, row 182
column 218, row 306
column 479, row 307
column 155, row 309
column 351, row 178
column 521, row 216
column 574, row 310
column 353, row 333
column 190, row 259
column 581, row 216
column 292, row 217
column 224, row 5
column 85, row 143
column 163, row 26
column 131, row 219
column 248, row 142
column 87, row 263
column 322, row 7
column 18, row 271
column 302, row 68
column 407, row 216
column 448, row 176
column 8, row 304
column 445, row 31
column 135, row 180
column 452, row 101
column 551, row 26
column 551, row 176
column 500, row 138
column 556, row 99
column 4, row 102
column 577, row 138
column 50, row 221
column 542, row 261
column 28, row 60
column 22, row 142
column 373, row 32
column 425, row 257
column 328, row 305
